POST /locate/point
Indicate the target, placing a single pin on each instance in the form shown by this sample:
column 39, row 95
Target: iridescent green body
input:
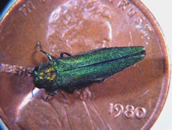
column 93, row 66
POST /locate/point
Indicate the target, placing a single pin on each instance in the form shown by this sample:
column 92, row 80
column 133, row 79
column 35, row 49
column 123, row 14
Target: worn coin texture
column 131, row 99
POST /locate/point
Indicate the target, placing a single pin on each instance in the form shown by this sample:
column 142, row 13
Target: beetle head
column 36, row 77
column 44, row 76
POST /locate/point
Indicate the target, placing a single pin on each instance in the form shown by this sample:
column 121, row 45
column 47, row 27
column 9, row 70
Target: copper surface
column 131, row 99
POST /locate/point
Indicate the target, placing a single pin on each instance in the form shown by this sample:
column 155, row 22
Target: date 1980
column 129, row 111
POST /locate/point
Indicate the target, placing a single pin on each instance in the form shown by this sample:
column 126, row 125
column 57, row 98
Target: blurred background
column 3, row 6
column 162, row 11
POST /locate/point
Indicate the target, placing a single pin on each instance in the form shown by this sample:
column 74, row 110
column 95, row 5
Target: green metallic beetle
column 93, row 66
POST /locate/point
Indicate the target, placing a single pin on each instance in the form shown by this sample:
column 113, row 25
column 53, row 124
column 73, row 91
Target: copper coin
column 131, row 99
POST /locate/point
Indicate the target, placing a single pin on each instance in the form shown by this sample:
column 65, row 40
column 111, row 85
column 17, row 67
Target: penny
column 131, row 99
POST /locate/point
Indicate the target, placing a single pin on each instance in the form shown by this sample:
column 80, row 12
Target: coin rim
column 165, row 89
column 159, row 33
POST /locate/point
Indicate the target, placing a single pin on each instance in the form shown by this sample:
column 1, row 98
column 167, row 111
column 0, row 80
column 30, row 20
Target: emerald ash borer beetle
column 68, row 72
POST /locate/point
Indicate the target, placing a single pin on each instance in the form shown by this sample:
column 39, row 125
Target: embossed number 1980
column 128, row 111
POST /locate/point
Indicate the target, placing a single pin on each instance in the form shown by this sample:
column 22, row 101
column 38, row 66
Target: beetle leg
column 99, row 80
column 78, row 89
column 51, row 94
column 62, row 54
column 48, row 55
column 68, row 90
column 39, row 47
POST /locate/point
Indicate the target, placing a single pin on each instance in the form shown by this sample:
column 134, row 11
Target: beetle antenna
column 29, row 72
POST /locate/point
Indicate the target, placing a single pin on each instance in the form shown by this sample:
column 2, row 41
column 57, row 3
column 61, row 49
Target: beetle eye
column 36, row 68
column 35, row 71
